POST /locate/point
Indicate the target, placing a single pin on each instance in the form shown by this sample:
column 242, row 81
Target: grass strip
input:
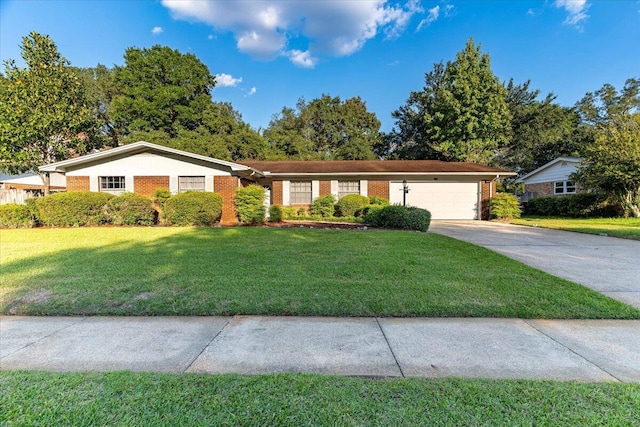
column 628, row 228
column 147, row 399
column 269, row 271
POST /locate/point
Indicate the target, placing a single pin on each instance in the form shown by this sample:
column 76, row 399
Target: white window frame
column 299, row 194
column 564, row 187
column 112, row 184
column 348, row 187
column 191, row 183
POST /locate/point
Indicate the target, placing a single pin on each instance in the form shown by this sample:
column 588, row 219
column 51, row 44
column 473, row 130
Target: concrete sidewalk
column 589, row 350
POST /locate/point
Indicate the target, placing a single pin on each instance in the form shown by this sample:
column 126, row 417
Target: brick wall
column 226, row 186
column 379, row 189
column 78, row 183
column 487, row 193
column 540, row 189
column 325, row 188
column 147, row 185
column 276, row 193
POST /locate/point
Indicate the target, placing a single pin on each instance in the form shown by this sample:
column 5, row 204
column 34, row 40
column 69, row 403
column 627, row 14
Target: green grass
column 260, row 270
column 628, row 228
column 144, row 399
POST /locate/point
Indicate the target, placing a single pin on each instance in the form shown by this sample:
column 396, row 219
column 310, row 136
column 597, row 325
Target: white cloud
column 434, row 13
column 157, row 30
column 302, row 59
column 227, row 80
column 577, row 10
column 253, row 91
column 266, row 29
column 211, row 37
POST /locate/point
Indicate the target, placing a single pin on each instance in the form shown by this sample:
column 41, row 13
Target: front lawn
column 145, row 399
column 618, row 227
column 260, row 270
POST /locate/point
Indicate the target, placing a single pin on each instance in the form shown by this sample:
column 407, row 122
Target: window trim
column 342, row 192
column 564, row 187
column 118, row 184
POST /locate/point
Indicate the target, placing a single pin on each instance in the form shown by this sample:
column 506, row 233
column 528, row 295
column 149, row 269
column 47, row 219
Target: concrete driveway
column 608, row 265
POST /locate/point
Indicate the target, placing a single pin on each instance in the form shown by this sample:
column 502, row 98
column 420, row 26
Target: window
column 112, row 184
column 564, row 187
column 190, row 183
column 300, row 193
column 348, row 187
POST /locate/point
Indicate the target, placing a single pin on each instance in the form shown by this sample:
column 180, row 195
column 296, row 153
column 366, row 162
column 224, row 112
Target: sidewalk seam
column 390, row 349
column 80, row 320
column 207, row 345
column 573, row 351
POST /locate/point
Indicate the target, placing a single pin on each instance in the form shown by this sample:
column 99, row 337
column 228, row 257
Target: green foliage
column 324, row 129
column 396, row 216
column 131, row 209
column 323, row 206
column 290, row 213
column 302, row 212
column 504, row 206
column 275, row 213
column 161, row 195
column 13, row 215
column 612, row 162
column 249, row 202
column 378, row 201
column 460, row 115
column 582, row 205
column 44, row 114
column 73, row 209
column 193, row 208
column 348, row 205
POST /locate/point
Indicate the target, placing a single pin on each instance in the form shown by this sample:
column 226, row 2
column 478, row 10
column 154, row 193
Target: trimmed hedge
column 504, row 206
column 13, row 215
column 131, row 209
column 324, row 206
column 349, row 204
column 249, row 203
column 193, row 208
column 73, row 209
column 583, row 205
column 396, row 216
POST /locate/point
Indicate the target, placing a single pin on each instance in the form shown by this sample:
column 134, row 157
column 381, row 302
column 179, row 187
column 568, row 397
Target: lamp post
column 405, row 190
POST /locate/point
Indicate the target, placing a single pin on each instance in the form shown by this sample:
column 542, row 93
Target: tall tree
column 541, row 130
column 326, row 128
column 460, row 115
column 161, row 89
column 44, row 116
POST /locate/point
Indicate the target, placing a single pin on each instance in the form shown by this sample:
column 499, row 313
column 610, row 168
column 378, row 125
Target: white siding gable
column 557, row 172
column 148, row 164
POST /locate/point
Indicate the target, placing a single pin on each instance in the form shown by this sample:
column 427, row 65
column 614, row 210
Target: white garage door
column 445, row 200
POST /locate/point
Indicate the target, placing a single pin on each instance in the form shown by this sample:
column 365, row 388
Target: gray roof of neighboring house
column 548, row 165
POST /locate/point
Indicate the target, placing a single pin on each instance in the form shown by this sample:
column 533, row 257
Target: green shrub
column 161, row 195
column 193, row 208
column 275, row 213
column 302, row 212
column 249, row 202
column 349, row 204
column 396, row 216
column 289, row 213
column 131, row 209
column 72, row 209
column 323, row 206
column 378, row 201
column 581, row 205
column 13, row 215
column 504, row 206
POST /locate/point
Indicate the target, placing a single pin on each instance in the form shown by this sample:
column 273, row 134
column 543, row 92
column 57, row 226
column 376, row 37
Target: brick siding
column 276, row 193
column 378, row 189
column 540, row 189
column 488, row 192
column 147, row 185
column 226, row 186
column 78, row 183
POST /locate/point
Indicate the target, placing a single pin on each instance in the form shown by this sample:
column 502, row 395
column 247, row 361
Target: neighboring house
column 448, row 190
column 551, row 179
column 32, row 181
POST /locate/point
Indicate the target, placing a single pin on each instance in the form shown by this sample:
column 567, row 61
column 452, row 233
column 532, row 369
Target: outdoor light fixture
column 405, row 190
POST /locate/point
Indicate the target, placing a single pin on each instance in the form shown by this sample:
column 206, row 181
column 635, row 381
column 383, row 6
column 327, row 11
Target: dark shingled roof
column 369, row 166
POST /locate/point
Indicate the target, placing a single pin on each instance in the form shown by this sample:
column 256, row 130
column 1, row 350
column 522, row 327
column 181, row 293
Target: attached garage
column 445, row 200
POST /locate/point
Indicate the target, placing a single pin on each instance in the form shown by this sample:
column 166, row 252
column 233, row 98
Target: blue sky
column 267, row 54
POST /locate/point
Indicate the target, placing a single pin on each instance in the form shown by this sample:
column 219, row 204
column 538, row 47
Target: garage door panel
column 445, row 200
